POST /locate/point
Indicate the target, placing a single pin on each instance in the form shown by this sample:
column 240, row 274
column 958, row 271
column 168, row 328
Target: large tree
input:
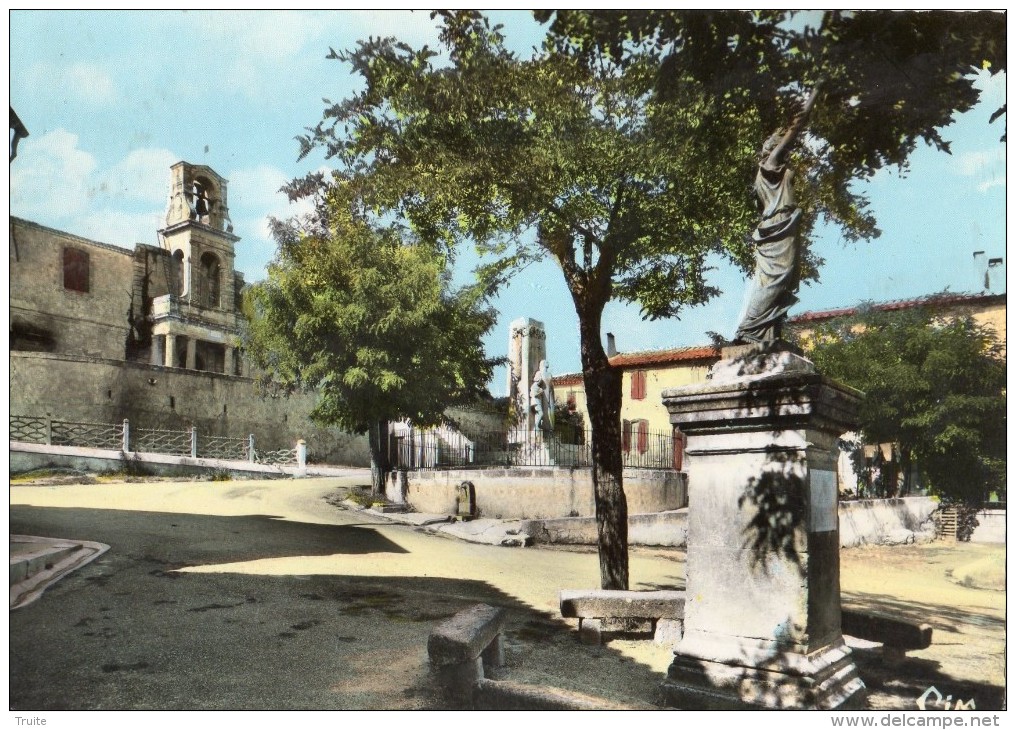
column 630, row 160
column 933, row 387
column 369, row 322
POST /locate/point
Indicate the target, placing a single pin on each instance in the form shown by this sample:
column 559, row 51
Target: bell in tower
column 199, row 237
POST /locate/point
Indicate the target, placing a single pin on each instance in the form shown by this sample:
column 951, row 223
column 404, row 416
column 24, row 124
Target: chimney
column 981, row 271
column 611, row 345
column 995, row 276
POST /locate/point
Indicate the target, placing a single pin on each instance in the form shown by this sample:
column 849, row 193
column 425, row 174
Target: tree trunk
column 377, row 440
column 603, row 397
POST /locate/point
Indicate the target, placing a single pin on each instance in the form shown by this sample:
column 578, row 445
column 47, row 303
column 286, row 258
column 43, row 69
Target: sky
column 112, row 99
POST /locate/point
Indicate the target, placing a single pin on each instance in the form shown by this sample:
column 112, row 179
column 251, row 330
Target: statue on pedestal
column 541, row 401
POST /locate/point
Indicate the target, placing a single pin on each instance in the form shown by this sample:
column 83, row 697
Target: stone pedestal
column 762, row 617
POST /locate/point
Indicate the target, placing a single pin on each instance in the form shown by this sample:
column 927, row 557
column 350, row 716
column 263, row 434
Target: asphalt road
column 261, row 595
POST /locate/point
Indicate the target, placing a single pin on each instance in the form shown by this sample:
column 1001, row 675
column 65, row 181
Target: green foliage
column 935, row 387
column 628, row 144
column 368, row 321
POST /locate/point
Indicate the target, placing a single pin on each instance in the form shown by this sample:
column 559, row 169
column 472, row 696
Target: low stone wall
column 867, row 522
column 659, row 529
column 534, row 493
column 887, row 521
column 991, row 527
column 25, row 457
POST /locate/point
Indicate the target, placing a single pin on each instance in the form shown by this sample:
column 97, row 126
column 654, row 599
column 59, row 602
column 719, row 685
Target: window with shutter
column 638, row 385
column 680, row 441
column 643, row 436
column 626, row 436
column 75, row 270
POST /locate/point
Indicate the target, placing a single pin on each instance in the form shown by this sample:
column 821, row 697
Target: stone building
column 102, row 333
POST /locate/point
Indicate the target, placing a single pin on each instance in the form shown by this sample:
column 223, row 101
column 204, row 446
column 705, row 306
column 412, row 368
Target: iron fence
column 30, row 430
column 163, row 441
column 281, row 457
column 443, row 448
column 224, row 447
column 90, row 435
column 127, row 438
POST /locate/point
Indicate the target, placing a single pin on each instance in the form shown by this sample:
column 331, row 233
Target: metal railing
column 30, row 430
column 442, row 448
column 281, row 457
column 124, row 437
column 91, row 435
column 224, row 447
column 163, row 441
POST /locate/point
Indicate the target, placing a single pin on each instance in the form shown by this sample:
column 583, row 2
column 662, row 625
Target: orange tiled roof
column 939, row 300
column 706, row 353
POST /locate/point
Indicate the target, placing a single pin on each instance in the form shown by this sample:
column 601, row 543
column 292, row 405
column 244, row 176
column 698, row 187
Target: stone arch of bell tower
column 199, row 236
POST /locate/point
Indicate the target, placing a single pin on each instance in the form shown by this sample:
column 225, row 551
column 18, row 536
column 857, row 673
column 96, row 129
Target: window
column 179, row 272
column 638, row 385
column 643, row 436
column 571, row 400
column 75, row 270
column 640, row 431
column 211, row 278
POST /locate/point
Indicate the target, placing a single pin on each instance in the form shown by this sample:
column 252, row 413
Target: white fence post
column 126, row 436
column 250, row 449
column 194, row 442
column 301, row 458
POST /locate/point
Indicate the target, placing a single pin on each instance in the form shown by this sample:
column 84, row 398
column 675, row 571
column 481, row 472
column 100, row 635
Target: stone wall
column 991, row 526
column 865, row 522
column 532, row 493
column 45, row 315
column 96, row 390
column 886, row 521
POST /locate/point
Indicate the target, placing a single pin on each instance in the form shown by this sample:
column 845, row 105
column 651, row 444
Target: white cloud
column 86, row 82
column 142, row 175
column 119, row 227
column 50, row 178
column 256, row 49
column 987, row 167
column 414, row 27
column 55, row 182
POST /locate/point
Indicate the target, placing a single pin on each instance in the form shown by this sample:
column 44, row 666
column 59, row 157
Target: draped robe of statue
column 777, row 256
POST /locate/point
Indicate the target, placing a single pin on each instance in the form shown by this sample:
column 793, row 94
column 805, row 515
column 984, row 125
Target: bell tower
column 196, row 325
column 199, row 236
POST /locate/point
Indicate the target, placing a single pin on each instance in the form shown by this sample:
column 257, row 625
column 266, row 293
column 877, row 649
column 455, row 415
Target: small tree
column 933, row 387
column 369, row 322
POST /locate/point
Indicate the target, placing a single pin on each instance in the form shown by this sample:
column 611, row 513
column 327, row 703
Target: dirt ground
column 965, row 662
column 958, row 588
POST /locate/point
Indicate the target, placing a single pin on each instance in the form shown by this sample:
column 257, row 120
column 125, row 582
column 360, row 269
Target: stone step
column 30, row 562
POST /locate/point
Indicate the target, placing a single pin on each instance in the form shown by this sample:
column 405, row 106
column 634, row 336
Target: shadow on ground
column 129, row 632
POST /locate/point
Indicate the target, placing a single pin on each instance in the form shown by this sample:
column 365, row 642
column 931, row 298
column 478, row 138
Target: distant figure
column 777, row 252
column 541, row 400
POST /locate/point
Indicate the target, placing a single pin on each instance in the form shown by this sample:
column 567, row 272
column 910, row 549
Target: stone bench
column 603, row 613
column 896, row 636
column 463, row 645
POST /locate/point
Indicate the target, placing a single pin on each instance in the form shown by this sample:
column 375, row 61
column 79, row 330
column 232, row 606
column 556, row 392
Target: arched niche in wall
column 211, row 280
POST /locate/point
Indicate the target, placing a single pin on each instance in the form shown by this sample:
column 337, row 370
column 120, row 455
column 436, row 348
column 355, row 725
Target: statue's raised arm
column 778, row 155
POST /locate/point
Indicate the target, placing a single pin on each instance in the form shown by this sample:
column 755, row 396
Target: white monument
column 527, row 348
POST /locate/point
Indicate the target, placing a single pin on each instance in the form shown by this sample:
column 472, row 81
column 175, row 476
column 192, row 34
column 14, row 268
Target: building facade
column 102, row 333
column 645, row 375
